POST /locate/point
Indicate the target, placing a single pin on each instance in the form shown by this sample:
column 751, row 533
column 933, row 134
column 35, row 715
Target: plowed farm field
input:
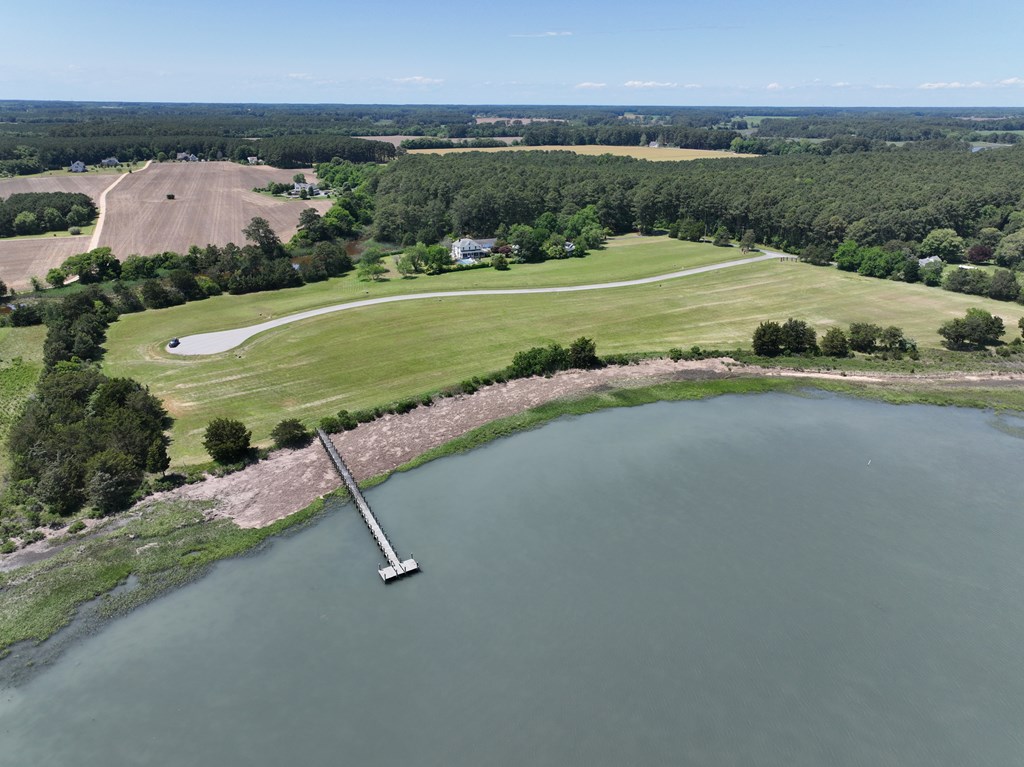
column 86, row 183
column 23, row 259
column 212, row 203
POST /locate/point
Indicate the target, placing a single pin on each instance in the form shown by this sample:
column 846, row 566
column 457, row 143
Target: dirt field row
column 212, row 203
column 20, row 260
column 86, row 183
column 662, row 153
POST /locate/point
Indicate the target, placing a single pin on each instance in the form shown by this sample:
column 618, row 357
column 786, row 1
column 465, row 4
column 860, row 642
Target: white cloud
column 693, row 85
column 649, row 84
column 842, row 84
column 418, row 80
column 1012, row 81
column 545, row 34
column 773, row 87
column 950, row 86
column 299, row 76
column 590, row 85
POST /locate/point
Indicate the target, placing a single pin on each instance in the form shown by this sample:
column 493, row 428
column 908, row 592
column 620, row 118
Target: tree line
column 39, row 212
column 83, row 438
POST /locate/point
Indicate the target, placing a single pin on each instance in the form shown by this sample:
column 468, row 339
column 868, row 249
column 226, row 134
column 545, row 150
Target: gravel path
column 223, row 340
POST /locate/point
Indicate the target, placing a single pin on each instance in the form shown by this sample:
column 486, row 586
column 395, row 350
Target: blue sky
column 524, row 52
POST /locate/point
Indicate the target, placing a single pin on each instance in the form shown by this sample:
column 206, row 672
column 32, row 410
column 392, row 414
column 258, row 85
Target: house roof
column 465, row 242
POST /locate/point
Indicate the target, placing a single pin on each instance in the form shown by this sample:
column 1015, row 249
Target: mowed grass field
column 21, row 362
column 658, row 154
column 376, row 355
column 212, row 203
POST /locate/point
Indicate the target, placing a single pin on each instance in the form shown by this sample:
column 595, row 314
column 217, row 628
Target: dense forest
column 789, row 201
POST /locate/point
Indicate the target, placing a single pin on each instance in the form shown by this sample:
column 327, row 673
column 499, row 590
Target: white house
column 467, row 249
column 253, row 160
column 77, row 167
column 299, row 186
column 186, row 157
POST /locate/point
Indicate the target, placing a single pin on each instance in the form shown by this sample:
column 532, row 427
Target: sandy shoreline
column 290, row 480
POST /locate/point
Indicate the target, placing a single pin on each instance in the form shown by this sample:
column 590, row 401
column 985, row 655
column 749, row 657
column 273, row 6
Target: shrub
column 834, row 343
column 346, row 421
column 331, row 424
column 675, row 354
column 365, row 416
column 7, row 547
column 767, row 339
column 76, row 527
column 583, row 354
column 74, row 230
column 863, row 337
column 977, row 329
column 32, row 536
column 170, row 197
column 539, row 360
column 290, row 433
column 226, row 440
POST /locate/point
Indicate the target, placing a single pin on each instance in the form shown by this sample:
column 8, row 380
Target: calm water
column 743, row 581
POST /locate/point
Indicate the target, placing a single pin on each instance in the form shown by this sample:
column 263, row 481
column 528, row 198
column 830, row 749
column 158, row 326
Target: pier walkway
column 396, row 568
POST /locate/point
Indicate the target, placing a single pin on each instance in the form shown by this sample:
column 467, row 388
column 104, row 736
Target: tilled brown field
column 20, row 260
column 86, row 183
column 212, row 203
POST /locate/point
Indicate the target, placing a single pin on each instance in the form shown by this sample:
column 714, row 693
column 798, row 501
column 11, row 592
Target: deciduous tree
column 226, row 440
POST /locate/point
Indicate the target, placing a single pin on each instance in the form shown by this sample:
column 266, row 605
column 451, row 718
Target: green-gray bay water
column 748, row 580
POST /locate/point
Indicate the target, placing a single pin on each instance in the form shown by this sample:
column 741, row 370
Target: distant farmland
column 212, row 203
column 658, row 154
column 23, row 259
column 86, row 183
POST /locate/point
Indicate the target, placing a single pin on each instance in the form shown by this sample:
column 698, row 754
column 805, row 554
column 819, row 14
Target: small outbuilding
column 110, row 162
column 77, row 167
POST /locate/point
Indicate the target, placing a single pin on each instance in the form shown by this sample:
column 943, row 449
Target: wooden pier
column 395, row 568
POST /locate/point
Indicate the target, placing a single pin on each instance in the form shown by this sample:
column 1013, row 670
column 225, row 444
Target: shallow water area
column 768, row 580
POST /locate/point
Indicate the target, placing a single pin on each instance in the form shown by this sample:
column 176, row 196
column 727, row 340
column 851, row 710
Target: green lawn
column 623, row 258
column 86, row 230
column 21, row 362
column 379, row 354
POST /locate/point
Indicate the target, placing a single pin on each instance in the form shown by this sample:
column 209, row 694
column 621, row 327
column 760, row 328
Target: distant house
column 929, row 260
column 253, row 160
column 570, row 249
column 186, row 157
column 77, row 167
column 470, row 250
column 109, row 162
column 298, row 187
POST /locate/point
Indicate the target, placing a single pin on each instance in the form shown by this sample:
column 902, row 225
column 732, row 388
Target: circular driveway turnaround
column 224, row 340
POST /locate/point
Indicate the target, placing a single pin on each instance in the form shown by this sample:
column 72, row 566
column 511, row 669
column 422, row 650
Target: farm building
column 253, row 160
column 466, row 248
column 186, row 157
column 109, row 162
column 77, row 167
